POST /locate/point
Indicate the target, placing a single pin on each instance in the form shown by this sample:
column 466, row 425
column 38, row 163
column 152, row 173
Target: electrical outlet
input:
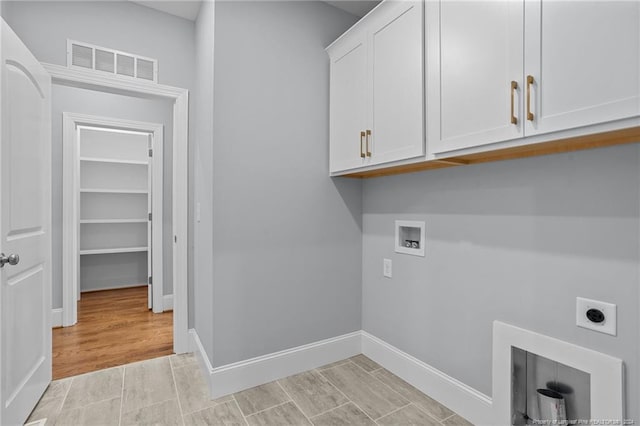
column 386, row 270
column 596, row 315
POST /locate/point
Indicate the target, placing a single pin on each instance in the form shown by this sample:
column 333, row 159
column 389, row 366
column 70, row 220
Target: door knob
column 12, row 259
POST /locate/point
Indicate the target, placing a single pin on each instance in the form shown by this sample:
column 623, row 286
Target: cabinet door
column 584, row 59
column 347, row 104
column 474, row 53
column 396, row 108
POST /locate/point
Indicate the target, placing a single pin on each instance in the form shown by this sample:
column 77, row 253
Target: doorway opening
column 113, row 187
column 113, row 202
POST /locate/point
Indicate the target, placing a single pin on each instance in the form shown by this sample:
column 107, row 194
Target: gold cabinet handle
column 514, row 87
column 361, row 144
column 368, row 137
column 530, row 81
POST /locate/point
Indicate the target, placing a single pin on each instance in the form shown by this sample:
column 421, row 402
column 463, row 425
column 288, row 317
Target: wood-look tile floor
column 114, row 328
column 172, row 391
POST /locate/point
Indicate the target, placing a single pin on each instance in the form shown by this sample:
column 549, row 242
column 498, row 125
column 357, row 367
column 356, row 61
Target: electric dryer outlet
column 596, row 315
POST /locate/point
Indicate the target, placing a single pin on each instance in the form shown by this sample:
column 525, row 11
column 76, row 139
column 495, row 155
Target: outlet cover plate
column 387, row 268
column 608, row 326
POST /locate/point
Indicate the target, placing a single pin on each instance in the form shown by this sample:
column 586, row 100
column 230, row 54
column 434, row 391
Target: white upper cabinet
column 583, row 57
column 377, row 89
column 474, row 72
column 348, row 104
column 502, row 70
column 397, row 89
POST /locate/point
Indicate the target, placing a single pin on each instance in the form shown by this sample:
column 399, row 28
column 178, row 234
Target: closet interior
column 115, row 175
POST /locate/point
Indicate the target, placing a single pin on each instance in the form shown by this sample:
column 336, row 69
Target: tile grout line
column 338, row 390
column 64, row 399
column 341, row 362
column 347, row 361
column 233, row 398
column 294, row 402
column 410, row 401
column 367, row 371
column 266, row 409
column 186, row 364
column 447, row 418
column 124, row 371
column 151, row 404
column 92, row 402
column 379, row 367
column 363, row 369
column 330, row 410
column 175, row 386
column 343, row 394
column 373, row 376
column 395, row 411
column 431, row 415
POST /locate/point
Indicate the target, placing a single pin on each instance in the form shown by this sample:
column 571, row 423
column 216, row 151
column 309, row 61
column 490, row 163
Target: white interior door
column 25, row 225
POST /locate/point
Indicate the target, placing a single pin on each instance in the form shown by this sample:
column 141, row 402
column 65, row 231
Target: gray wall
column 107, row 271
column 201, row 295
column 70, row 99
column 45, row 27
column 286, row 238
column 514, row 241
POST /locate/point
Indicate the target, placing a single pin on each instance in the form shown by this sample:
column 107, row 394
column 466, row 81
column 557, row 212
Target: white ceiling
column 188, row 9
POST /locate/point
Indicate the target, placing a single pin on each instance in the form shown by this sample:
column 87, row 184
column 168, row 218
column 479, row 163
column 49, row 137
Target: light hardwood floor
column 114, row 328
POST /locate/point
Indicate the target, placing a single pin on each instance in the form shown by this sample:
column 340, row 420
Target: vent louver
column 88, row 56
column 126, row 65
column 145, row 69
column 82, row 56
column 104, row 60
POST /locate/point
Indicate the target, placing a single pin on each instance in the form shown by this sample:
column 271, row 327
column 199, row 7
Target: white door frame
column 180, row 147
column 71, row 206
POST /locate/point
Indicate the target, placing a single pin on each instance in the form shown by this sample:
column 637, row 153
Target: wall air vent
column 88, row 56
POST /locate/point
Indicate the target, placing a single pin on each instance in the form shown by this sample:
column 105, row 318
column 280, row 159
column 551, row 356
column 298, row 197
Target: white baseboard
column 56, row 317
column 463, row 399
column 112, row 287
column 267, row 368
column 459, row 397
column 167, row 302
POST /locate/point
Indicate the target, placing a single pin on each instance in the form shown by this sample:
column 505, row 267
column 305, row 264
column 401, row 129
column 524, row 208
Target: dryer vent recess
column 410, row 237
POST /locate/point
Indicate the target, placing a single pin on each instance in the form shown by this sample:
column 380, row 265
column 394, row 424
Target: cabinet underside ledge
column 597, row 140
